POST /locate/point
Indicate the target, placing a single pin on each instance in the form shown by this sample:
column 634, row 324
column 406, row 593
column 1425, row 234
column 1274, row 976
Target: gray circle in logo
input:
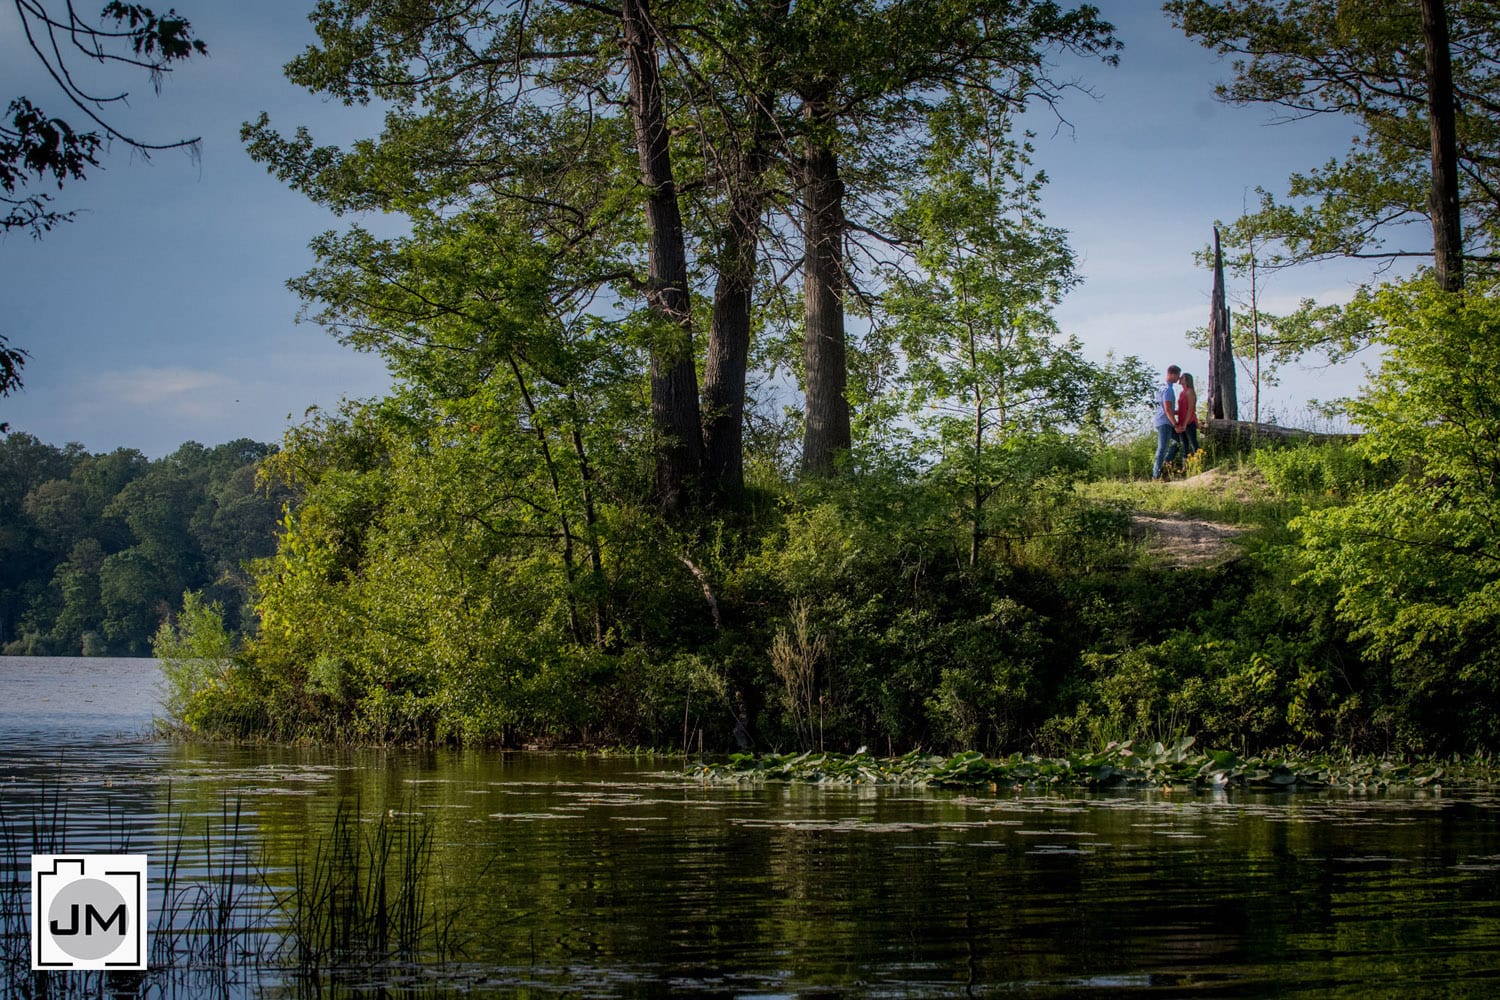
column 88, row 919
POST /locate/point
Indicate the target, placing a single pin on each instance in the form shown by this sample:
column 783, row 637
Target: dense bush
column 1324, row 472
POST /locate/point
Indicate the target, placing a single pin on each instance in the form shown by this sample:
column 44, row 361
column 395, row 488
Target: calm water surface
column 574, row 876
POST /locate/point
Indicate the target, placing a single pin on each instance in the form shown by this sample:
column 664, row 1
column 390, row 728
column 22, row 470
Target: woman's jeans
column 1189, row 440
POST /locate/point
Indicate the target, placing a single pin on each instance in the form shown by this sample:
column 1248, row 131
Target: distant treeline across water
column 97, row 549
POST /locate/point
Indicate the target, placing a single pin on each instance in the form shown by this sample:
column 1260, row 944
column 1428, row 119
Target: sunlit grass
column 1236, row 492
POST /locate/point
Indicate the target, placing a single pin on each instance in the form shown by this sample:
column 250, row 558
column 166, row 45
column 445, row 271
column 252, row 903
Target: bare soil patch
column 1187, row 543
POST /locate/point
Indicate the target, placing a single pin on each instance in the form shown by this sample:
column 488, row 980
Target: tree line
column 96, row 550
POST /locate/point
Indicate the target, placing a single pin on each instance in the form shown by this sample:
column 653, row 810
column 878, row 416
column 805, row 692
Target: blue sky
column 160, row 315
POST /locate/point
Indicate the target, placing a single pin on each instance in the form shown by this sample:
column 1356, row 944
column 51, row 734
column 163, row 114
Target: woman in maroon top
column 1187, row 415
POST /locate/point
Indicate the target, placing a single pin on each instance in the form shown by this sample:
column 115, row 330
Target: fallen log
column 1233, row 434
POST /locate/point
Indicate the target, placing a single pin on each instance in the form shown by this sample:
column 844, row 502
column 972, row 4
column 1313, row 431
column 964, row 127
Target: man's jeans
column 1166, row 440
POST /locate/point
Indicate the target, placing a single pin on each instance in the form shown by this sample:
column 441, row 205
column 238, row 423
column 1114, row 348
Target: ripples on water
column 617, row 878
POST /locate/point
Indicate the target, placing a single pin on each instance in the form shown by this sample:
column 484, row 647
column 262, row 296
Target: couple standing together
column 1176, row 419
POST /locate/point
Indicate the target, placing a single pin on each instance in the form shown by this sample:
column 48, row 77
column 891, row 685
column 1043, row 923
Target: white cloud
column 181, row 388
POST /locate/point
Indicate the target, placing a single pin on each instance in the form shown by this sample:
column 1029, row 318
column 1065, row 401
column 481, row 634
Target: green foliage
column 455, row 558
column 1365, row 61
column 1318, row 474
column 1413, row 566
column 421, row 593
column 206, row 685
column 982, row 372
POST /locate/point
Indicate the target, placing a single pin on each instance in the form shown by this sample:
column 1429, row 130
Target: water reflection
column 617, row 878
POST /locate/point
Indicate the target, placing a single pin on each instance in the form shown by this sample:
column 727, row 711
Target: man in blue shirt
column 1166, row 421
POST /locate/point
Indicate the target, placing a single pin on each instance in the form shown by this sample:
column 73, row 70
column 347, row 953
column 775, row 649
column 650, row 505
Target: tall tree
column 987, row 378
column 755, row 91
column 1447, row 225
column 865, row 77
column 674, row 381
column 742, row 147
column 825, row 282
column 1370, row 62
column 516, row 111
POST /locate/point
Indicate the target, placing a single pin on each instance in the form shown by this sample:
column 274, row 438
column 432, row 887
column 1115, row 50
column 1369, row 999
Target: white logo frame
column 118, row 882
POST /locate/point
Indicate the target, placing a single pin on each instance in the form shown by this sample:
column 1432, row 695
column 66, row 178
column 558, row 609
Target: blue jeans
column 1166, row 441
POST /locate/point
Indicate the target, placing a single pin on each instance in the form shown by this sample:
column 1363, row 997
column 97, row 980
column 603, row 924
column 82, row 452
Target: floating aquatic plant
column 1118, row 764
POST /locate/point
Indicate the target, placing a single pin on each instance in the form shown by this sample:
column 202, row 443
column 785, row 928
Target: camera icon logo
column 88, row 911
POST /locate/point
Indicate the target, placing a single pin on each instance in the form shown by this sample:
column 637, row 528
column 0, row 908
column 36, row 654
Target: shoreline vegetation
column 1348, row 612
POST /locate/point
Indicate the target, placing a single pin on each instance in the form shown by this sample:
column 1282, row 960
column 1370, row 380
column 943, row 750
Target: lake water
column 566, row 875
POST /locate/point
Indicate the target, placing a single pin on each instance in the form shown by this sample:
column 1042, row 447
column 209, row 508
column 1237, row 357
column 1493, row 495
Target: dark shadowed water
column 615, row 877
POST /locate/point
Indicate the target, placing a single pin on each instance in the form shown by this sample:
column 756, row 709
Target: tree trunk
column 823, row 281
column 725, row 367
column 1447, row 245
column 728, row 358
column 1223, row 396
column 674, row 382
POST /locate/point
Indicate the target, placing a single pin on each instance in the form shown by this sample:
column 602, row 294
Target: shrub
column 208, row 690
column 1318, row 473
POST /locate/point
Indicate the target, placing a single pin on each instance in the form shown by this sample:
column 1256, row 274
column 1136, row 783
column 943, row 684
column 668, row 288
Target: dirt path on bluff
column 1182, row 542
column 1187, row 543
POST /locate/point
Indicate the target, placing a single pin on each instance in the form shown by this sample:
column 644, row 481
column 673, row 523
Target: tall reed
column 360, row 898
column 358, row 904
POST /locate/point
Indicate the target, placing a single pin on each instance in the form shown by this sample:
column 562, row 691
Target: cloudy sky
column 160, row 315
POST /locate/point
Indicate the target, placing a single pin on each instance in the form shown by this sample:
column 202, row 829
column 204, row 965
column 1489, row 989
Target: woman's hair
column 1187, row 380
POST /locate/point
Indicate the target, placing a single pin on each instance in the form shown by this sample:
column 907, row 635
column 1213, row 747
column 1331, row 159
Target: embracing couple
column 1176, row 419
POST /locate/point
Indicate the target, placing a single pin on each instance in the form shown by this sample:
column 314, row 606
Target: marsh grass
column 207, row 933
column 358, row 904
column 359, row 897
